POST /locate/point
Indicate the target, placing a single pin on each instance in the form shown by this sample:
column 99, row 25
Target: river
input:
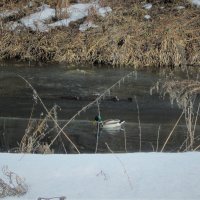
column 145, row 115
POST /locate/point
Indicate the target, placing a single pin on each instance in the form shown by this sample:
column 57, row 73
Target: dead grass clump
column 61, row 9
column 13, row 186
column 126, row 40
column 182, row 92
column 37, row 135
column 36, row 47
column 92, row 14
column 185, row 93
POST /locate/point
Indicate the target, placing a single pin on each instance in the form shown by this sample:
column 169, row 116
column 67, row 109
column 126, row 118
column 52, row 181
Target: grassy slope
column 169, row 38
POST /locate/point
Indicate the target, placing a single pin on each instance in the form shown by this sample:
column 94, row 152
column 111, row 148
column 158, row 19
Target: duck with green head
column 110, row 123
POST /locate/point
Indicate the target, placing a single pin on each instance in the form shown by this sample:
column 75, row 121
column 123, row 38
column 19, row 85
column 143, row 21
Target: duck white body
column 112, row 124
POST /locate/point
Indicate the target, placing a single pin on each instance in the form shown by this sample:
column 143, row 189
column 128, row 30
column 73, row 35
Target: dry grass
column 36, row 135
column 124, row 37
column 13, row 185
column 41, row 128
column 186, row 94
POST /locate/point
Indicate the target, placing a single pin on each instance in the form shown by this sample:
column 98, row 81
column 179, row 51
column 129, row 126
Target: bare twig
column 157, row 141
column 122, row 164
column 195, row 149
column 196, row 118
column 125, row 142
column 139, row 124
column 170, row 134
column 98, row 128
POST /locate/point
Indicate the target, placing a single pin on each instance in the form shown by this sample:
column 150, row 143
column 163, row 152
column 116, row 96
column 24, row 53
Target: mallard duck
column 110, row 123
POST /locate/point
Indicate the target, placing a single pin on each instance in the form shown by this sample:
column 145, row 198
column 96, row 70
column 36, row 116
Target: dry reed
column 34, row 139
column 184, row 93
column 61, row 130
column 122, row 165
column 13, row 186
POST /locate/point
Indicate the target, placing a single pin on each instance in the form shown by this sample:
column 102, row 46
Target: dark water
column 71, row 89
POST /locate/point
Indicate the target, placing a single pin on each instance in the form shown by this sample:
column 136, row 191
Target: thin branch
column 122, row 164
column 172, row 131
column 139, row 124
column 196, row 118
column 158, row 136
column 197, row 148
column 125, row 140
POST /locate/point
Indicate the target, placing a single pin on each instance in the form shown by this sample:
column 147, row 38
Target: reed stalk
column 50, row 115
column 172, row 131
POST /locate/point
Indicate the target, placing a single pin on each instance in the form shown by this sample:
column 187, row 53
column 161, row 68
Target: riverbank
column 130, row 35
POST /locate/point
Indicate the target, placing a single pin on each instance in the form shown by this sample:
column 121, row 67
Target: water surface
column 71, row 89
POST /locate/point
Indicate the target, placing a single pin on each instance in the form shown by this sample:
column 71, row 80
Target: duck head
column 98, row 118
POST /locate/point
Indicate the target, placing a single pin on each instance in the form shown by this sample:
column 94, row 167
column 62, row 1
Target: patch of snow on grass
column 13, row 25
column 180, row 7
column 148, row 6
column 147, row 17
column 196, row 3
column 79, row 11
column 36, row 21
column 8, row 13
column 104, row 11
column 75, row 12
column 85, row 26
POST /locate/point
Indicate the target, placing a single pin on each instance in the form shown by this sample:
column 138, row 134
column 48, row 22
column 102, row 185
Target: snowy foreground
column 108, row 176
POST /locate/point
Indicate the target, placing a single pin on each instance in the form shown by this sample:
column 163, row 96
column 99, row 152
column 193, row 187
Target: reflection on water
column 73, row 89
column 113, row 131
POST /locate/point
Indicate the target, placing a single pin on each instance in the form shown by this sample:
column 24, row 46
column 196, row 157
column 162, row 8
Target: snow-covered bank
column 108, row 176
column 79, row 33
column 38, row 21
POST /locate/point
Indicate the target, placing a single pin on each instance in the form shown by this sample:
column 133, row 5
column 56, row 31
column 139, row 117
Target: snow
column 13, row 25
column 85, row 26
column 148, row 6
column 196, row 2
column 75, row 12
column 79, row 11
column 104, row 11
column 147, row 17
column 38, row 21
column 108, row 176
column 8, row 13
column 180, row 7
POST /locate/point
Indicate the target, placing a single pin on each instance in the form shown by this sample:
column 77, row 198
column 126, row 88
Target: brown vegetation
column 123, row 38
column 185, row 94
column 13, row 186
